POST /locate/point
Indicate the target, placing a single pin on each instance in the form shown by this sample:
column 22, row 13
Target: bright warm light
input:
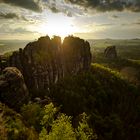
column 59, row 26
column 56, row 29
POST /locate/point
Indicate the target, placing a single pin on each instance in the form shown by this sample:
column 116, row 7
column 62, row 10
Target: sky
column 88, row 19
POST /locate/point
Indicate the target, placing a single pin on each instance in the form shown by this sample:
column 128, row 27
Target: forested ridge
column 78, row 100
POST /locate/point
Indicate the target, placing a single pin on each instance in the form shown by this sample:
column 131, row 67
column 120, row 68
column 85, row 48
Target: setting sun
column 58, row 26
column 56, row 29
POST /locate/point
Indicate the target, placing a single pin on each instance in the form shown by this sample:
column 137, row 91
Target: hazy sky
column 89, row 19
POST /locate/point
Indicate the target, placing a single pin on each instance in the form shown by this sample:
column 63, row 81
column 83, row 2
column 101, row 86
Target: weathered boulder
column 110, row 52
column 13, row 90
column 45, row 61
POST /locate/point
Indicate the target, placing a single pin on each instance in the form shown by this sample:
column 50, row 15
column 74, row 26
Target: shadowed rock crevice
column 46, row 60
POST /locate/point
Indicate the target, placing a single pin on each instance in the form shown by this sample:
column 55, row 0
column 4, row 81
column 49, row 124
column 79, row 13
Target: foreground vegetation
column 128, row 61
column 50, row 124
column 99, row 104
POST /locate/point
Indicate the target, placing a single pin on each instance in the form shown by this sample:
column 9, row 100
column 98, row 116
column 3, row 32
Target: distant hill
column 65, row 74
column 11, row 45
column 126, row 48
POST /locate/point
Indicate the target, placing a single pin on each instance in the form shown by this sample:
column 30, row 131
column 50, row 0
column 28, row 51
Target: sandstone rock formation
column 110, row 52
column 13, row 90
column 45, row 61
column 3, row 62
column 76, row 55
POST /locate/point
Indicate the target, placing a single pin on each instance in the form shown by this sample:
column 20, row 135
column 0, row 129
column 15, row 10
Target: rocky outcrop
column 3, row 62
column 76, row 55
column 110, row 52
column 45, row 61
column 13, row 90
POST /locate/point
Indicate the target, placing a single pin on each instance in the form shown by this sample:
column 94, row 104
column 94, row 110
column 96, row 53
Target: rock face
column 46, row 60
column 76, row 55
column 3, row 62
column 110, row 52
column 13, row 90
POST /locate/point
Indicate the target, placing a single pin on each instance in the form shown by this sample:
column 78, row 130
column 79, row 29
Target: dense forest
column 54, row 90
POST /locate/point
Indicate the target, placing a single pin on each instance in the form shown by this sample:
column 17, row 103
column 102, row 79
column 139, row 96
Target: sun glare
column 56, row 29
column 59, row 27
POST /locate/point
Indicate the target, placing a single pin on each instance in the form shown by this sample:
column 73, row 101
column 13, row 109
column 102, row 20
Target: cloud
column 58, row 7
column 11, row 16
column 8, row 16
column 54, row 9
column 120, row 33
column 27, row 4
column 22, row 30
column 10, row 32
column 40, row 5
column 115, row 16
column 130, row 24
column 5, row 28
column 108, row 5
column 107, row 24
column 137, row 23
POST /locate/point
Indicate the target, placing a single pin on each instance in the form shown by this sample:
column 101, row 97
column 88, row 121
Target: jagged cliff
column 110, row 52
column 46, row 60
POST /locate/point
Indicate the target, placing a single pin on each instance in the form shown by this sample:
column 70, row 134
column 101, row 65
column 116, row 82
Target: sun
column 51, row 29
column 58, row 26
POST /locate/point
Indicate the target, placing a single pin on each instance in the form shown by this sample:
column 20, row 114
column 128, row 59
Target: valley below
column 89, row 89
